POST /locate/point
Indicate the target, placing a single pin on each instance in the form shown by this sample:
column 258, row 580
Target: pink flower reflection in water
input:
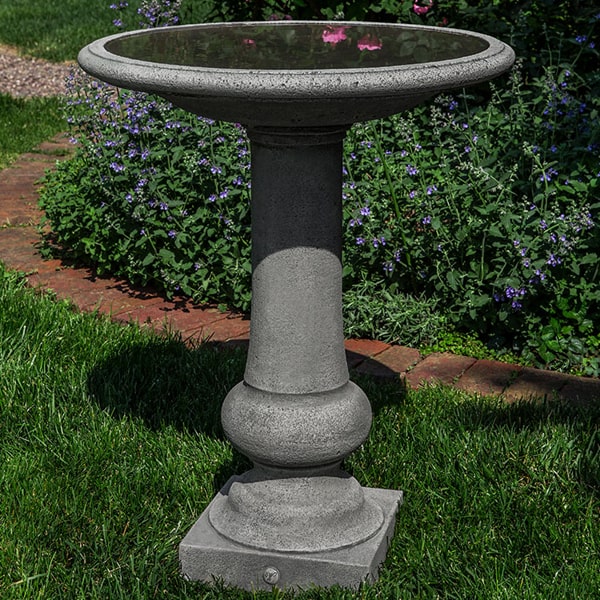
column 334, row 35
column 369, row 42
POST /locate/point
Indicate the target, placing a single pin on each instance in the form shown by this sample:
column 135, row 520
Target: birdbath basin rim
column 296, row 73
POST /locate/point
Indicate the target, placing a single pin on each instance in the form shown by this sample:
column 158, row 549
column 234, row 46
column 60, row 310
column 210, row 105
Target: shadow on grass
column 165, row 382
column 580, row 422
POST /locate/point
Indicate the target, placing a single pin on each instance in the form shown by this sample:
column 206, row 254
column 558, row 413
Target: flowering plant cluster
column 479, row 211
column 151, row 13
column 154, row 194
column 492, row 210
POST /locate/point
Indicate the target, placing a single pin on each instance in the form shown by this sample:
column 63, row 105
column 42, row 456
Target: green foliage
column 155, row 195
column 467, row 344
column 478, row 212
column 375, row 311
column 466, row 204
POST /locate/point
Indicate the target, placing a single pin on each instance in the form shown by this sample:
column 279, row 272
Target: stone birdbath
column 296, row 519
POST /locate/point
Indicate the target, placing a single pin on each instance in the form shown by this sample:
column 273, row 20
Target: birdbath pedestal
column 296, row 519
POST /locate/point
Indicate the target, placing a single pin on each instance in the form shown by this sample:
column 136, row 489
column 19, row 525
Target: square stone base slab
column 207, row 556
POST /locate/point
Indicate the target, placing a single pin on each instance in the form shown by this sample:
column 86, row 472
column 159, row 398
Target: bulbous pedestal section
column 296, row 499
column 296, row 431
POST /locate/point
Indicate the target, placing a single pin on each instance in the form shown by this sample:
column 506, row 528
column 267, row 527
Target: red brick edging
column 19, row 240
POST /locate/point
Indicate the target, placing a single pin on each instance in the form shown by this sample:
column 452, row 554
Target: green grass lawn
column 111, row 447
column 54, row 30
column 57, row 31
column 26, row 123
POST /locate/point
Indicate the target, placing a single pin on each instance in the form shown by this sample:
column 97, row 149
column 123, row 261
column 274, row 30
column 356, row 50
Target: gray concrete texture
column 296, row 519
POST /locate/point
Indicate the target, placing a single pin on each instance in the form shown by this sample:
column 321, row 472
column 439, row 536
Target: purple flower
column 411, row 170
column 548, row 175
column 140, row 184
column 360, row 241
column 365, row 211
column 553, row 261
column 426, row 220
column 172, row 234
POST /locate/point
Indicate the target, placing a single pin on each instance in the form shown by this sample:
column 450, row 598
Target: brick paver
column 390, row 363
column 488, row 377
column 357, row 351
column 580, row 390
column 19, row 241
column 535, row 384
column 443, row 368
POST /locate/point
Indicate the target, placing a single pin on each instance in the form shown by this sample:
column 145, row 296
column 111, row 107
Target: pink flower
column 422, row 10
column 249, row 43
column 369, row 42
column 334, row 35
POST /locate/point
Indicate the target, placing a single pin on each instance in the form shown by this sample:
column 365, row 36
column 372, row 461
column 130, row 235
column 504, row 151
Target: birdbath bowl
column 296, row 519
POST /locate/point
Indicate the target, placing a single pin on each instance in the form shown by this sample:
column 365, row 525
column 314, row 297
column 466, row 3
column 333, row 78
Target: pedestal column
column 296, row 519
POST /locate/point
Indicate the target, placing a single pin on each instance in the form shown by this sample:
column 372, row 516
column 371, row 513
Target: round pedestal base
column 296, row 514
